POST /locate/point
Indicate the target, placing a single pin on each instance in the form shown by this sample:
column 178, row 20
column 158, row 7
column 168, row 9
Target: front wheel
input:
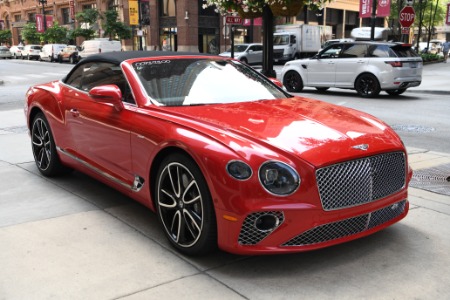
column 44, row 149
column 293, row 81
column 395, row 92
column 367, row 86
column 185, row 207
column 244, row 60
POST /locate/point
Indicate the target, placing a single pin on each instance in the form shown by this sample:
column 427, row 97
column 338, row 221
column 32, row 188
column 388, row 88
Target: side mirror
column 108, row 94
column 276, row 82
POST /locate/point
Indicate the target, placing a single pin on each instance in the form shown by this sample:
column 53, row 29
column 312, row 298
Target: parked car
column 16, row 51
column 4, row 52
column 69, row 53
column 367, row 67
column 425, row 47
column 247, row 53
column 31, row 52
column 250, row 169
column 100, row 45
column 49, row 52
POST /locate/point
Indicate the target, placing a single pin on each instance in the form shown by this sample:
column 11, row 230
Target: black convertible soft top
column 118, row 57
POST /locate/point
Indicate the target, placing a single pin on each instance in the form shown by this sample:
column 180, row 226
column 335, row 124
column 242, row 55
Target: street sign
column 407, row 16
column 233, row 20
column 405, row 30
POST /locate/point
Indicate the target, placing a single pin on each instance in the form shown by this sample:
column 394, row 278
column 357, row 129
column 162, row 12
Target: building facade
column 177, row 25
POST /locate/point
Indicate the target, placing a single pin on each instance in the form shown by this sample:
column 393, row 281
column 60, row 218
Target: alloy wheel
column 180, row 204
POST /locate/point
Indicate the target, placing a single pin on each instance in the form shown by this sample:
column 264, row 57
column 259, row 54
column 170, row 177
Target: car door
column 352, row 61
column 254, row 54
column 321, row 69
column 100, row 132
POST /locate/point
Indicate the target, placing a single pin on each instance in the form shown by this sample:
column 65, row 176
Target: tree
column 56, row 34
column 5, row 36
column 114, row 28
column 30, row 34
column 88, row 24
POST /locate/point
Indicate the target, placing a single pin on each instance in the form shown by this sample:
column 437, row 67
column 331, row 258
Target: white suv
column 367, row 67
column 247, row 53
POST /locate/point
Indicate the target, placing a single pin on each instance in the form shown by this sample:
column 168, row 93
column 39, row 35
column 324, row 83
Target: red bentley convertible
column 223, row 155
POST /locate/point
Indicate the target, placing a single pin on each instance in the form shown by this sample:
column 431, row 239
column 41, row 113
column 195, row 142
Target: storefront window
column 168, row 39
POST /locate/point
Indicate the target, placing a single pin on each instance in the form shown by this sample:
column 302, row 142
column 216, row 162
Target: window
column 332, row 52
column 352, row 51
column 90, row 75
column 32, row 17
column 65, row 12
column 17, row 18
column 167, row 8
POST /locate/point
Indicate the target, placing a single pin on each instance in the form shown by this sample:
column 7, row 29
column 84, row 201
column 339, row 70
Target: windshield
column 281, row 39
column 176, row 82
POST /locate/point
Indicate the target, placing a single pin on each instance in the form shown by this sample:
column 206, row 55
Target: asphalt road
column 421, row 119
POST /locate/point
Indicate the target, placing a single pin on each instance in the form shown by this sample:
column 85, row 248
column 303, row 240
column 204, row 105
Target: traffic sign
column 405, row 30
column 233, row 20
column 407, row 16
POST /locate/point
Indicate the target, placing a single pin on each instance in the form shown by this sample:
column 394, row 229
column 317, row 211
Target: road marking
column 341, row 103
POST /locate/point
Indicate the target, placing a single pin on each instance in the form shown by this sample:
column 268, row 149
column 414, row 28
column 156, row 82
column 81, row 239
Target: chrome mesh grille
column 250, row 235
column 361, row 181
column 348, row 227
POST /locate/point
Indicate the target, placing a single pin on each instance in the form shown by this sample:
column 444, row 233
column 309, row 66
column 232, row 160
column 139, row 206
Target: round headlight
column 239, row 170
column 278, row 178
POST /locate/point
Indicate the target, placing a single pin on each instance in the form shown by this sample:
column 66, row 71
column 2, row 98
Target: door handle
column 75, row 112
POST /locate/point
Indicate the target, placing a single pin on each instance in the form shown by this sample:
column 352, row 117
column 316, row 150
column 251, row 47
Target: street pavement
column 75, row 238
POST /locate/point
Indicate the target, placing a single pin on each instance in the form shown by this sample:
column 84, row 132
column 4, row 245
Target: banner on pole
column 39, row 23
column 384, row 8
column 134, row 12
column 365, row 8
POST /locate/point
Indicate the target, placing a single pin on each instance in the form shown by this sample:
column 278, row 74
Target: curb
column 428, row 92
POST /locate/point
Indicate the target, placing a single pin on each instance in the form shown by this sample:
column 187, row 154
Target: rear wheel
column 367, row 86
column 395, row 92
column 44, row 149
column 184, row 206
column 293, row 81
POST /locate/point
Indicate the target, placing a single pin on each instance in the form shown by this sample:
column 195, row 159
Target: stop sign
column 407, row 16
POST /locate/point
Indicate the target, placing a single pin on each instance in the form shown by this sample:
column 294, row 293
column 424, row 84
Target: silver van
column 50, row 52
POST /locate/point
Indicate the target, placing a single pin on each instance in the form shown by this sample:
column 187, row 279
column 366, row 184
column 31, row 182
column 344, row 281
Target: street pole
column 140, row 25
column 267, row 69
column 373, row 20
column 44, row 2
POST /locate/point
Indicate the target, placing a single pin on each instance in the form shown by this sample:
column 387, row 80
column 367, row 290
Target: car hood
column 315, row 131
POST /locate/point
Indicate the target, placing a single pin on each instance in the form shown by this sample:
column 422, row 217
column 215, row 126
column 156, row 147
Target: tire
column 244, row 60
column 293, row 81
column 44, row 149
column 395, row 92
column 184, row 206
column 322, row 89
column 72, row 60
column 367, row 86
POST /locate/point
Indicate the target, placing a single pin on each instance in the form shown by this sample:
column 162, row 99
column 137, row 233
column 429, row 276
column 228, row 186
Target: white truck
column 364, row 33
column 99, row 45
column 295, row 41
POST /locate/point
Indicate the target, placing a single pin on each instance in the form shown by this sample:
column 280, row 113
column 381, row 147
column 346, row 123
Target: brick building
column 181, row 25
